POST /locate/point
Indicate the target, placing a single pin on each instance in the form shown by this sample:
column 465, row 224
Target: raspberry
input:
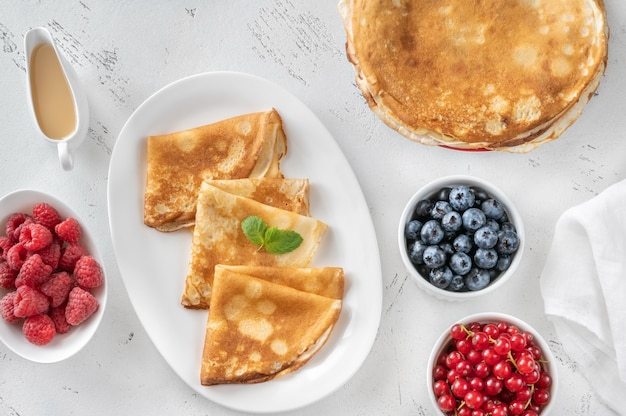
column 39, row 329
column 5, row 245
column 34, row 271
column 13, row 225
column 68, row 230
column 35, row 236
column 88, row 273
column 7, row 307
column 57, row 315
column 57, row 288
column 51, row 254
column 7, row 276
column 46, row 215
column 16, row 256
column 80, row 305
column 29, row 302
column 70, row 256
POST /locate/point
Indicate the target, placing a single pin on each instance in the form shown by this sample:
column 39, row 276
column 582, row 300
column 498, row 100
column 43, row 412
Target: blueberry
column 504, row 261
column 477, row 279
column 473, row 219
column 485, row 237
column 508, row 242
column 461, row 198
column 493, row 224
column 440, row 277
column 486, row 258
column 460, row 263
column 415, row 250
column 434, row 257
column 492, row 208
column 462, row 243
column 456, row 284
column 443, row 194
column 447, row 248
column 452, row 221
column 507, row 226
column 480, row 193
column 431, row 232
column 423, row 208
column 440, row 209
column 412, row 229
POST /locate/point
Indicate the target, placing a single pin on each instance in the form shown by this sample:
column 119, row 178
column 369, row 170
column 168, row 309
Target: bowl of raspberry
column 492, row 364
column 53, row 290
column 460, row 237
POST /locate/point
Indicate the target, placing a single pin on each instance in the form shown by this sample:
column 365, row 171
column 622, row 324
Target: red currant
column 446, row 403
column 545, row 381
column 526, row 364
column 518, row 342
column 516, row 407
column 439, row 372
column 491, row 330
column 464, row 368
column 482, row 369
column 460, row 387
column 458, row 332
column 474, row 399
column 493, row 386
column 515, row 382
column 502, row 345
column 502, row 370
column 440, row 388
column 541, row 397
column 490, row 356
column 480, row 340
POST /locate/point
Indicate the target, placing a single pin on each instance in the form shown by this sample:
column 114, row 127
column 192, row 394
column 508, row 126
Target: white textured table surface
column 125, row 51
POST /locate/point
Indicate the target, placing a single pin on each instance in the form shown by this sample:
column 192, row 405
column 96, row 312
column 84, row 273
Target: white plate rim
column 208, row 97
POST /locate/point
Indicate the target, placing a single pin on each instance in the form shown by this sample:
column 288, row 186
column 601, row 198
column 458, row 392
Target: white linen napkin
column 583, row 284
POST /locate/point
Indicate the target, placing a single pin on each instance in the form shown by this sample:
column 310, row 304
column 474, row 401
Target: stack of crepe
column 268, row 313
column 500, row 75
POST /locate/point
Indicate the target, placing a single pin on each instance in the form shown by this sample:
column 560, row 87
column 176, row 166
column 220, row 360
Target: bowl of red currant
column 491, row 364
column 460, row 237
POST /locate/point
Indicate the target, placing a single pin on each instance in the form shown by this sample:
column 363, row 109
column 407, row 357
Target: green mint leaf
column 254, row 228
column 281, row 241
column 275, row 240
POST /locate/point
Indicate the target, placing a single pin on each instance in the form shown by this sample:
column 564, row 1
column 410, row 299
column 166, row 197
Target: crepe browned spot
column 502, row 75
column 258, row 330
column 219, row 239
column 249, row 145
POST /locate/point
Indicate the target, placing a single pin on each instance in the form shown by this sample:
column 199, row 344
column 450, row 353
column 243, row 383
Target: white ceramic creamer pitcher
column 56, row 99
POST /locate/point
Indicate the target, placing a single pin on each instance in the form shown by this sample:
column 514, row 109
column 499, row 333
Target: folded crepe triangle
column 258, row 330
column 219, row 239
column 249, row 145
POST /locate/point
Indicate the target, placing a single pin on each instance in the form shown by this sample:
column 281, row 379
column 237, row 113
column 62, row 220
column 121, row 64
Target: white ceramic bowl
column 548, row 359
column 433, row 188
column 62, row 346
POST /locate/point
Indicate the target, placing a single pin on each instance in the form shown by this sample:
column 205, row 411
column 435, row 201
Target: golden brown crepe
column 323, row 281
column 219, row 239
column 291, row 194
column 502, row 75
column 258, row 330
column 249, row 145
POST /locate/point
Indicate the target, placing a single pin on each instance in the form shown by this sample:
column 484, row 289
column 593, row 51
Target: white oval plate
column 154, row 264
column 62, row 346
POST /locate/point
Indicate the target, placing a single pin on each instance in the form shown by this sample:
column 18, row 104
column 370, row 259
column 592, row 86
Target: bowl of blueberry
column 460, row 237
column 492, row 364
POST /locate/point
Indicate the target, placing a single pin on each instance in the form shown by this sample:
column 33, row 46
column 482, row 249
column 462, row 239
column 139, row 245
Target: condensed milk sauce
column 52, row 97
